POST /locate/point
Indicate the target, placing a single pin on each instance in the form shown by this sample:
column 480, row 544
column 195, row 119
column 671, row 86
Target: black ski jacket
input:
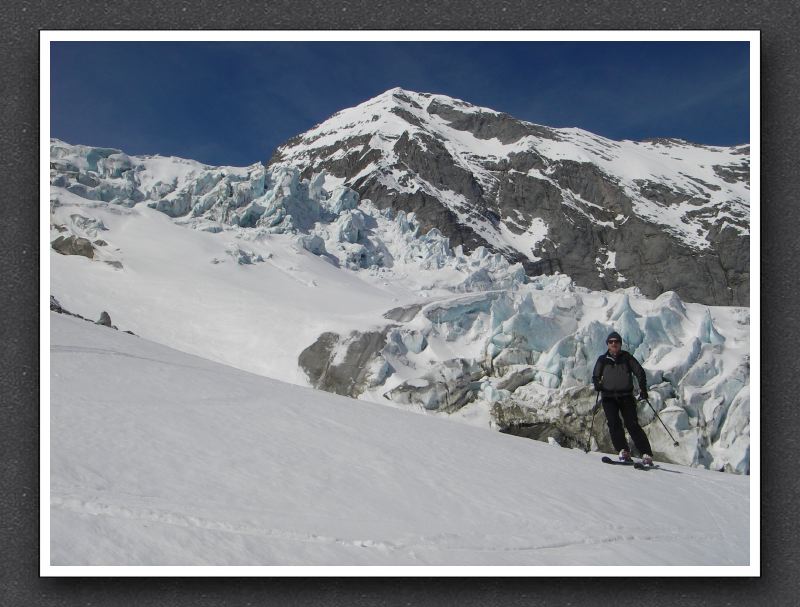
column 615, row 376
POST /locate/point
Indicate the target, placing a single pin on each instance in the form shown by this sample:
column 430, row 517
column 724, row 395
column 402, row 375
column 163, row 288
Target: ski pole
column 675, row 443
column 591, row 426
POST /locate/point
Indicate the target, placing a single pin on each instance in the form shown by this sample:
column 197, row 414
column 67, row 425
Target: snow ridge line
column 56, row 349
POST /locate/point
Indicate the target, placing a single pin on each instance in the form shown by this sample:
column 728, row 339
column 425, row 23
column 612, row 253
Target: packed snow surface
column 162, row 458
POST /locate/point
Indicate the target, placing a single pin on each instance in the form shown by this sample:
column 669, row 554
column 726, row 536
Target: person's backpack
column 623, row 360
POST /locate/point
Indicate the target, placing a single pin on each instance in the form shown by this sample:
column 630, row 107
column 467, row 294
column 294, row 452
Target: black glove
column 597, row 387
column 643, row 395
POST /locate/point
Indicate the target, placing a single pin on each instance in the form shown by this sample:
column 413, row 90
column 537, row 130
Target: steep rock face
column 343, row 366
column 661, row 215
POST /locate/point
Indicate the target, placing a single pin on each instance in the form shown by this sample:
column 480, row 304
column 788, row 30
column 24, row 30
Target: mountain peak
column 397, row 91
column 485, row 178
column 426, row 101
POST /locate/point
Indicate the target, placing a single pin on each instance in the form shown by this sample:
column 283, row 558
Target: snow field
column 162, row 458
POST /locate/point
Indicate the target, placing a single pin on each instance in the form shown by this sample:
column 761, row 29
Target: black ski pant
column 624, row 405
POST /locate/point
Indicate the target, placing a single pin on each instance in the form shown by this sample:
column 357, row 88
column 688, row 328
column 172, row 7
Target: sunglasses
column 613, row 341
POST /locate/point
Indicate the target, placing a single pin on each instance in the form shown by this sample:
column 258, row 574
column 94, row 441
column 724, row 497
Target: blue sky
column 234, row 103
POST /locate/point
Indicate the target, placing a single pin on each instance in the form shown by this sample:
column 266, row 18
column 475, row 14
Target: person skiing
column 612, row 378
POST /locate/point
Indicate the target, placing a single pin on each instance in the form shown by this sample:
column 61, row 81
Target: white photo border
column 753, row 37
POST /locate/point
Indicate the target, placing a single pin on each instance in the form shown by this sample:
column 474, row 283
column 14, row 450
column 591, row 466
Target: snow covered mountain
column 415, row 254
column 663, row 215
column 303, row 281
column 161, row 458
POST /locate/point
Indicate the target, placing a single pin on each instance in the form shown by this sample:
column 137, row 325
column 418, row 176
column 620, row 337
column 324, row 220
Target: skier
column 612, row 377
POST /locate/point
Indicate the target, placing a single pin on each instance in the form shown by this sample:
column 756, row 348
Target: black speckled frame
column 20, row 584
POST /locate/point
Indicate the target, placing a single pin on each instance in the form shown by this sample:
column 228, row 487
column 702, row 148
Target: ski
column 608, row 460
column 636, row 465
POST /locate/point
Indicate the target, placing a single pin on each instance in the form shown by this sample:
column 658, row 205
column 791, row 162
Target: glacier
column 337, row 284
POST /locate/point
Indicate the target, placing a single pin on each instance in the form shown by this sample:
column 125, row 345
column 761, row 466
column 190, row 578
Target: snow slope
column 251, row 297
column 257, row 317
column 158, row 457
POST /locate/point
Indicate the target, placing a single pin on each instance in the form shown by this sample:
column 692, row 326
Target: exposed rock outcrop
column 348, row 365
column 104, row 320
column 73, row 245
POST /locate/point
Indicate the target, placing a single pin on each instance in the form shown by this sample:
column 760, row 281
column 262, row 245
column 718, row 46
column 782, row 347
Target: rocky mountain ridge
column 663, row 215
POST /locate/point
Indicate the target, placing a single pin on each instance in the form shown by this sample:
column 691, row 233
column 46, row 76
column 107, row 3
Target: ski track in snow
column 442, row 541
column 94, row 507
